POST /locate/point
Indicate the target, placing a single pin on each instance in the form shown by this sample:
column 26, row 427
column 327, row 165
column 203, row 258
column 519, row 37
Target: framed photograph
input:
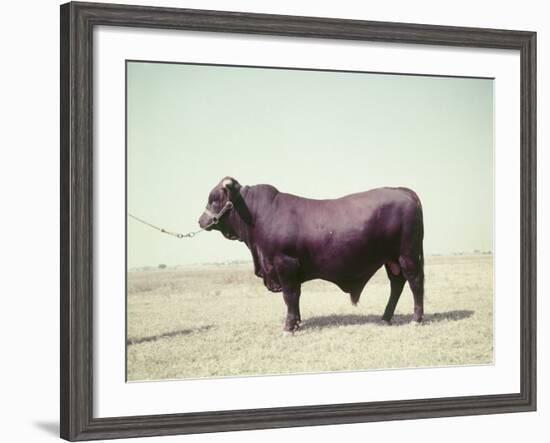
column 272, row 221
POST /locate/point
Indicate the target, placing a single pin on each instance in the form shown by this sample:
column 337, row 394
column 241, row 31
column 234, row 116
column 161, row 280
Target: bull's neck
column 241, row 218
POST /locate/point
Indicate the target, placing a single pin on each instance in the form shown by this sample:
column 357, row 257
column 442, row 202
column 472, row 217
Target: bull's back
column 346, row 234
column 378, row 212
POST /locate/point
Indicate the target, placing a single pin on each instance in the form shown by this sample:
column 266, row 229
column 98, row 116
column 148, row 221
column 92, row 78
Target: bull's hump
column 264, row 188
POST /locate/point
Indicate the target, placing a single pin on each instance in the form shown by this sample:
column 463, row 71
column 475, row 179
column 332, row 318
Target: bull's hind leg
column 397, row 282
column 414, row 273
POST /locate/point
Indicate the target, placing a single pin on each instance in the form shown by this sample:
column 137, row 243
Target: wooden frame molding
column 77, row 24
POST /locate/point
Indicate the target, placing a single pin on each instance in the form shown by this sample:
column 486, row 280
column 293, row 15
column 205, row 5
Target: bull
column 344, row 241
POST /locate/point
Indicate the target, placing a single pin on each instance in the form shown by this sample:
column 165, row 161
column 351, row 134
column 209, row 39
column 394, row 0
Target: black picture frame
column 77, row 23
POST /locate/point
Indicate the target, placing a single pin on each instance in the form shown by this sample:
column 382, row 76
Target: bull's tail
column 421, row 240
column 420, row 227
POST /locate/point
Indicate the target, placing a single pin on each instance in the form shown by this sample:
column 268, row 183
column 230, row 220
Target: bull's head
column 220, row 204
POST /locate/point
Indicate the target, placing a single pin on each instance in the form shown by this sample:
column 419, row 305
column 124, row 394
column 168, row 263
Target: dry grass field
column 219, row 320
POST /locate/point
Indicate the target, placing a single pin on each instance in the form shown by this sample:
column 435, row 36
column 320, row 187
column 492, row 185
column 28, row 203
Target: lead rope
column 215, row 221
column 164, row 231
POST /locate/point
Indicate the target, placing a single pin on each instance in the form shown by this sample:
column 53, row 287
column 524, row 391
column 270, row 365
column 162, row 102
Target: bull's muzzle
column 206, row 221
column 209, row 218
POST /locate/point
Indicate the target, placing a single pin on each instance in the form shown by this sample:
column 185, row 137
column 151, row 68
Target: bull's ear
column 230, row 184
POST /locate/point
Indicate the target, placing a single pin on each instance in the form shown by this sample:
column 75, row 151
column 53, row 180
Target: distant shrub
column 162, row 266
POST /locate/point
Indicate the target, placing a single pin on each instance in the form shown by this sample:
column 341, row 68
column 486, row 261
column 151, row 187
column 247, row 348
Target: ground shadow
column 49, row 427
column 137, row 341
column 329, row 321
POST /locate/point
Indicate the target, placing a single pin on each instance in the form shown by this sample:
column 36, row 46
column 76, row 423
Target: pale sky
column 311, row 133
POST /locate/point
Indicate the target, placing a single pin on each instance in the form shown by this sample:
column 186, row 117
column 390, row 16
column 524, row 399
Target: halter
column 215, row 218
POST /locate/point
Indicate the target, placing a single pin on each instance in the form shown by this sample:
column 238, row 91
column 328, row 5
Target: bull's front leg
column 269, row 273
column 257, row 267
column 287, row 270
column 291, row 297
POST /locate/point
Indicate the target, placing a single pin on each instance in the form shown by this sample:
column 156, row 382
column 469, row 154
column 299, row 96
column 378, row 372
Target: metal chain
column 215, row 221
column 164, row 231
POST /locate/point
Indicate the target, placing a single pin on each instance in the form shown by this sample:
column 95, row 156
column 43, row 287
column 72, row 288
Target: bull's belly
column 348, row 265
column 347, row 275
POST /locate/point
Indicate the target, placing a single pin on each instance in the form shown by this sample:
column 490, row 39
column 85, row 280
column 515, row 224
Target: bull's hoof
column 288, row 334
column 416, row 322
column 291, row 328
column 385, row 322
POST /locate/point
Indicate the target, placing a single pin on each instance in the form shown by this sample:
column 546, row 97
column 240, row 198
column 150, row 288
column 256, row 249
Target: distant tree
column 162, row 266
